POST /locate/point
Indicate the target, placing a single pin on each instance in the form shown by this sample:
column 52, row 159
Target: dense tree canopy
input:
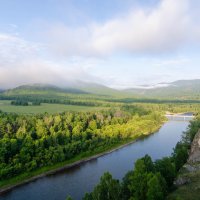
column 31, row 142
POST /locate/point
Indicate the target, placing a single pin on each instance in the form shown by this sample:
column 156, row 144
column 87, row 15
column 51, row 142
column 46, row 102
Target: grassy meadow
column 5, row 106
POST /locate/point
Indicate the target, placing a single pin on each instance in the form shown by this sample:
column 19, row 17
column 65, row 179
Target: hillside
column 182, row 89
column 75, row 88
column 41, row 89
column 178, row 90
column 98, row 89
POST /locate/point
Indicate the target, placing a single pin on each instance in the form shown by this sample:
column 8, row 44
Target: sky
column 118, row 43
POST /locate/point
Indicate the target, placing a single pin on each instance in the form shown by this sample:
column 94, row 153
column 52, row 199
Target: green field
column 5, row 106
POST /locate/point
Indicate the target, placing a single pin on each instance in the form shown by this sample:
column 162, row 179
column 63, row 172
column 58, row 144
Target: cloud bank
column 165, row 28
column 21, row 63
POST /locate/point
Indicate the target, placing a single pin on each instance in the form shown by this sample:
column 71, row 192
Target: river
column 80, row 179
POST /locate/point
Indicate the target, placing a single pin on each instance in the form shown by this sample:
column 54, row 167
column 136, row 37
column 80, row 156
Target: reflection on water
column 82, row 178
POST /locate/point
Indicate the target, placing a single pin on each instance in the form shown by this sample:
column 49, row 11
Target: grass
column 190, row 191
column 5, row 106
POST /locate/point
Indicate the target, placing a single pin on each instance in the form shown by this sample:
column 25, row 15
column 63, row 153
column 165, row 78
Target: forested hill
column 98, row 89
column 182, row 89
column 74, row 88
column 42, row 89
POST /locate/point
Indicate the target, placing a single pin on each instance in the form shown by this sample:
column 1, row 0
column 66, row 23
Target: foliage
column 107, row 189
column 5, row 106
column 28, row 143
column 19, row 103
column 167, row 169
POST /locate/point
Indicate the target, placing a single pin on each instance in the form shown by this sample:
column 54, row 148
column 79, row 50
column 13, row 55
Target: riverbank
column 25, row 178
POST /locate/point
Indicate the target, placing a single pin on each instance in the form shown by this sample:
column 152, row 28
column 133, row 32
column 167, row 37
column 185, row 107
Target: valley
column 99, row 100
column 46, row 129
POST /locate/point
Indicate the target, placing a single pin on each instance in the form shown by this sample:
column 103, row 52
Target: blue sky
column 119, row 43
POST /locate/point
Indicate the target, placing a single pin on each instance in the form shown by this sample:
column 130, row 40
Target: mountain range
column 182, row 89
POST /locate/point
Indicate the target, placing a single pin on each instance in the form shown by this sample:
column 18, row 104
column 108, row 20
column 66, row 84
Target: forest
column 150, row 180
column 32, row 142
column 24, row 103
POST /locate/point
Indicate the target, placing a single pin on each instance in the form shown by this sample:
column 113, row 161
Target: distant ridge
column 96, row 88
column 78, row 87
column 25, row 89
column 183, row 89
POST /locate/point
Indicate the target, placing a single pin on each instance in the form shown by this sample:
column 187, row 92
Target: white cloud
column 14, row 49
column 160, row 29
column 21, row 63
column 172, row 62
column 40, row 72
column 163, row 28
column 75, row 51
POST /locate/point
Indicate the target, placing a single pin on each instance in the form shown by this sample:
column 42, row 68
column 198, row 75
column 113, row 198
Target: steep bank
column 188, row 180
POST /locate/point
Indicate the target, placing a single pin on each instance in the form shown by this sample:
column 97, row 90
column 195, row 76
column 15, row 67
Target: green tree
column 107, row 189
column 125, row 192
column 166, row 169
column 154, row 188
column 149, row 165
column 138, row 185
column 180, row 155
column 69, row 198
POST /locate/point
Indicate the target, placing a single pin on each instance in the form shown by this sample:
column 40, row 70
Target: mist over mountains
column 182, row 89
